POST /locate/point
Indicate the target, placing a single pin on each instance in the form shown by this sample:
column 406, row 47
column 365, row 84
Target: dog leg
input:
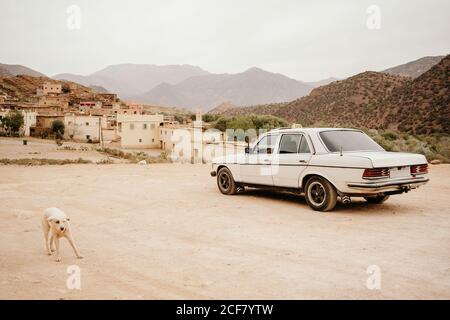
column 74, row 247
column 46, row 229
column 58, row 257
column 52, row 243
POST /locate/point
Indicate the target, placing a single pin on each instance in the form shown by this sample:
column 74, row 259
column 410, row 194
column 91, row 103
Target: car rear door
column 292, row 157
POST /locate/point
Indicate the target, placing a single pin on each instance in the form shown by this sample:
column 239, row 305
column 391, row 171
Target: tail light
column 419, row 169
column 376, row 173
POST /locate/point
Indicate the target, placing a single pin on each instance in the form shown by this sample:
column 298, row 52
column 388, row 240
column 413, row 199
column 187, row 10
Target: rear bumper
column 409, row 183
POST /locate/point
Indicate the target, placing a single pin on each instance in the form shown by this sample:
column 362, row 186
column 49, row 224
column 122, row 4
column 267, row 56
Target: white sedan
column 323, row 164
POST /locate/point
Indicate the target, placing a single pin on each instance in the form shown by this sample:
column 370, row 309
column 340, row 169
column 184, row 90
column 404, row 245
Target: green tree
column 251, row 121
column 12, row 122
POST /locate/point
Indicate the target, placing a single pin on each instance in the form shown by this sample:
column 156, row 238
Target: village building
column 131, row 109
column 29, row 121
column 139, row 131
column 108, row 97
column 51, row 88
column 87, row 106
column 44, row 123
column 54, row 101
column 84, row 127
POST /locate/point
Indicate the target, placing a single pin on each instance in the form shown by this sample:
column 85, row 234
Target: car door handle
column 266, row 160
column 302, row 161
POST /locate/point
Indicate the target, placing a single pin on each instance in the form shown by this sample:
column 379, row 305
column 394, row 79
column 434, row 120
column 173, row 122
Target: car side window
column 266, row 144
column 289, row 143
column 304, row 148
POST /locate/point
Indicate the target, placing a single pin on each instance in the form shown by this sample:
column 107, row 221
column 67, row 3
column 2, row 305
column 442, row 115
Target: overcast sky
column 306, row 40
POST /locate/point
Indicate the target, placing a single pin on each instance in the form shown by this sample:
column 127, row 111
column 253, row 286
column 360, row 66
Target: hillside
column 129, row 80
column 372, row 100
column 337, row 103
column 253, row 86
column 24, row 87
column 414, row 68
column 11, row 70
column 5, row 73
column 421, row 106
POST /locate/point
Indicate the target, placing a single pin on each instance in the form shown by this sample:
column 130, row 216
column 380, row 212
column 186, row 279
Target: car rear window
column 348, row 140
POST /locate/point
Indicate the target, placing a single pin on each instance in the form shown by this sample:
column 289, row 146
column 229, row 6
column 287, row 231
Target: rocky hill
column 335, row 103
column 24, row 87
column 11, row 70
column 421, row 106
column 415, row 68
column 372, row 100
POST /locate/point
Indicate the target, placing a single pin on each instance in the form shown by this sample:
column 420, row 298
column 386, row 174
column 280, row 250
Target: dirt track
column 164, row 231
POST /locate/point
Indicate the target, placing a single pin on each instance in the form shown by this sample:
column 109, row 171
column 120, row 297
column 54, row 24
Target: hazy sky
column 306, row 40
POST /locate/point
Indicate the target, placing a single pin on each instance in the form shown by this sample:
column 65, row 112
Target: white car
column 323, row 164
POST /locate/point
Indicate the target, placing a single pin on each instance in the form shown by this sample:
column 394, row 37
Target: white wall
column 82, row 126
column 139, row 131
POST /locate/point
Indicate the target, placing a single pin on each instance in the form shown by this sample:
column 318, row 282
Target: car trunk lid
column 384, row 159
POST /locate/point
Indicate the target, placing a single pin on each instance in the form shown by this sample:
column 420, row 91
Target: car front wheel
column 320, row 194
column 225, row 182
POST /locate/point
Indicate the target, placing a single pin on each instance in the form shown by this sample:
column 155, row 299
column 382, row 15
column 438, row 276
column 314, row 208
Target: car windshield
column 347, row 140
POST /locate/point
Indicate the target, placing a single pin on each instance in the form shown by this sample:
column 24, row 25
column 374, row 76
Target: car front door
column 291, row 159
column 257, row 167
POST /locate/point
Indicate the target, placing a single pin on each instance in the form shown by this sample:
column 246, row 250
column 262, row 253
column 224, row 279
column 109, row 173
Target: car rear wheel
column 376, row 200
column 225, row 182
column 320, row 194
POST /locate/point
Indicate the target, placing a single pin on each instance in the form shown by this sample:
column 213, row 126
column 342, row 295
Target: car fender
column 322, row 173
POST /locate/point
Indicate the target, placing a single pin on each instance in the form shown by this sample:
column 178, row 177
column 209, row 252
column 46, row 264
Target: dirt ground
column 164, row 231
column 13, row 148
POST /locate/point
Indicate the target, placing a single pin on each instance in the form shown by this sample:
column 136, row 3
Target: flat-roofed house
column 86, row 106
column 84, row 127
column 54, row 101
column 139, row 131
column 51, row 88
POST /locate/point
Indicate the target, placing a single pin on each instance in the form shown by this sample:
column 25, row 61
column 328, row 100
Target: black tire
column 377, row 199
column 320, row 194
column 225, row 182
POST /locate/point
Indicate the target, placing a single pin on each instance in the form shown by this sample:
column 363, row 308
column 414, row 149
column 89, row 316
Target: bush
column 250, row 121
column 389, row 135
column 12, row 122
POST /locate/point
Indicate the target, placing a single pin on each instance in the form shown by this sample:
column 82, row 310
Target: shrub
column 12, row 122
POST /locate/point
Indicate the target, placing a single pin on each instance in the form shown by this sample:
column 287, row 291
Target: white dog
column 56, row 223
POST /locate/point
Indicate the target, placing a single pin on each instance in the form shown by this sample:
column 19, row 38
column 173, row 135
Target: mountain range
column 191, row 87
column 253, row 86
column 134, row 79
column 370, row 100
column 187, row 86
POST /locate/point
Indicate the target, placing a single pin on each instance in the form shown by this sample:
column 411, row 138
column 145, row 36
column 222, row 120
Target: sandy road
column 164, row 231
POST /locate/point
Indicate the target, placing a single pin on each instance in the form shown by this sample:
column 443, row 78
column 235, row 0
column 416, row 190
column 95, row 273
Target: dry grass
column 134, row 157
column 42, row 162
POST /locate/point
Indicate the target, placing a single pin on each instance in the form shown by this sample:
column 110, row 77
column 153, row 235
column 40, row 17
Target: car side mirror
column 247, row 150
column 269, row 150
